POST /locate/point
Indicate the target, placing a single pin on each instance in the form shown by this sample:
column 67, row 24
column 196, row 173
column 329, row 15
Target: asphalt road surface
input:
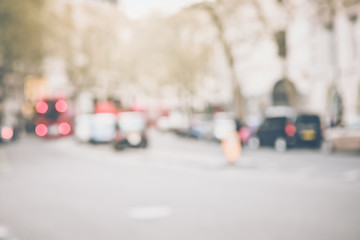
column 178, row 188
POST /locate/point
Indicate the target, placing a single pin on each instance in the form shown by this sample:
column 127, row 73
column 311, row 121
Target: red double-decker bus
column 53, row 118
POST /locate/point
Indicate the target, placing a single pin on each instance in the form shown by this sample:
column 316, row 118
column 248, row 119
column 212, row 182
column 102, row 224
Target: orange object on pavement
column 231, row 147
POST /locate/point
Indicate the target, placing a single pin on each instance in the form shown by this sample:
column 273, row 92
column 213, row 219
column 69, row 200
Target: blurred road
column 177, row 189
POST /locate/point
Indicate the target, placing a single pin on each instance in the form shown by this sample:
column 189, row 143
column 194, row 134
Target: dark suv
column 284, row 132
column 279, row 132
column 308, row 130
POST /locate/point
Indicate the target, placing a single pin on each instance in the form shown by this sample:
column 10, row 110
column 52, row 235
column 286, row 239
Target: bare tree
column 171, row 52
column 226, row 17
column 219, row 23
column 91, row 49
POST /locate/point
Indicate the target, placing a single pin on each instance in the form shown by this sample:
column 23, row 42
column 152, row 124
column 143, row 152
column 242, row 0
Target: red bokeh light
column 7, row 133
column 290, row 130
column 41, row 130
column 42, row 107
column 244, row 134
column 61, row 106
column 64, row 128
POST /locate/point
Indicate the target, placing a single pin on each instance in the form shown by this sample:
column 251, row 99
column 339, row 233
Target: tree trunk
column 238, row 100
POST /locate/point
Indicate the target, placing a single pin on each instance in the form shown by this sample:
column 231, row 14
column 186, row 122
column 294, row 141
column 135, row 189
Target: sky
column 136, row 9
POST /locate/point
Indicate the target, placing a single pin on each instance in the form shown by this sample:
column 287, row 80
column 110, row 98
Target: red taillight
column 7, row 133
column 61, row 106
column 41, row 130
column 41, row 107
column 64, row 128
column 290, row 130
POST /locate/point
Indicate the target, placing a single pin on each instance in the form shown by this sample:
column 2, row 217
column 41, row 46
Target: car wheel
column 280, row 145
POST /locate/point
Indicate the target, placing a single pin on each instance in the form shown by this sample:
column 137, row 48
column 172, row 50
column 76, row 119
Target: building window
column 355, row 32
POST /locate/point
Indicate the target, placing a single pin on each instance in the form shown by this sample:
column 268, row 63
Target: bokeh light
column 64, row 128
column 41, row 130
column 61, row 106
column 42, row 107
column 290, row 130
column 7, row 133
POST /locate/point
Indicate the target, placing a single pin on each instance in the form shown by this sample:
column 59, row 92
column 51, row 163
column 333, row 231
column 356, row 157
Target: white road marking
column 150, row 212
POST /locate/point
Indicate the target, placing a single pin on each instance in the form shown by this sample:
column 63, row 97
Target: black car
column 279, row 132
column 284, row 132
column 131, row 130
column 308, row 130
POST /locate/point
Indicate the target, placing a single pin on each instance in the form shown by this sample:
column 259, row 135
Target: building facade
column 321, row 71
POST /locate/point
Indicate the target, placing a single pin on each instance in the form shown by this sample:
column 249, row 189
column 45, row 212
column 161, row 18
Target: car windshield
column 308, row 119
column 274, row 123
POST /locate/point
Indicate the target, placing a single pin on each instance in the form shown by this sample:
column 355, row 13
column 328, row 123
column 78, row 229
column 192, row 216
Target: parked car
column 201, row 127
column 308, row 130
column 290, row 130
column 163, row 124
column 131, row 130
column 279, row 132
column 53, row 118
column 179, row 123
column 83, row 127
column 345, row 137
column 103, row 126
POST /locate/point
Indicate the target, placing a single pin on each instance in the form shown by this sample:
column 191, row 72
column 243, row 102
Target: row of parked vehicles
column 54, row 117
column 125, row 129
column 284, row 128
column 281, row 128
column 202, row 126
